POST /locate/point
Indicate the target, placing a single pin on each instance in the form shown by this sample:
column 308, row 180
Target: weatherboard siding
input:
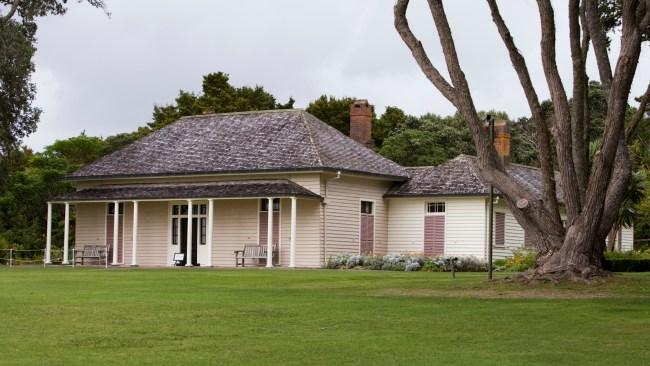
column 342, row 218
column 464, row 225
column 90, row 224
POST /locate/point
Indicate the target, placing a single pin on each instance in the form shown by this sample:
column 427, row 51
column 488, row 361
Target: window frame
column 437, row 203
column 367, row 203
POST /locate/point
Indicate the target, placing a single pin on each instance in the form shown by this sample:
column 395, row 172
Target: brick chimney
column 361, row 122
column 502, row 140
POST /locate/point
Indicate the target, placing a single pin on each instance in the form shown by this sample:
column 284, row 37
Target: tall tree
column 333, row 111
column 592, row 194
column 218, row 96
column 18, row 117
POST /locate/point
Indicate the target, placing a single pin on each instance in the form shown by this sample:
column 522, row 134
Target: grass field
column 315, row 317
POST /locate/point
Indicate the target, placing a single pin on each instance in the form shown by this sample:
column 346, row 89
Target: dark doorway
column 195, row 234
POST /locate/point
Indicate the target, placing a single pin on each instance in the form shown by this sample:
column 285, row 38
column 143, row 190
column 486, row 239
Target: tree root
column 587, row 275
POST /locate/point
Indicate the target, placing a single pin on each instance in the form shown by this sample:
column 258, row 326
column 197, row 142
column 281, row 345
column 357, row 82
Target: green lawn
column 315, row 317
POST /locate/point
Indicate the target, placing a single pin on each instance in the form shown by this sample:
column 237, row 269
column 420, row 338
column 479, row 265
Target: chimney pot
column 361, row 122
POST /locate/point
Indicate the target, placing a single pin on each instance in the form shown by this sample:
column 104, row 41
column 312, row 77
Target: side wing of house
column 448, row 226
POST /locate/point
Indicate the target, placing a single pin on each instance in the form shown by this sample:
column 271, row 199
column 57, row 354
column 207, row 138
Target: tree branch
column 600, row 180
column 419, row 54
column 561, row 111
column 599, row 40
column 12, row 10
column 579, row 150
column 638, row 115
column 541, row 130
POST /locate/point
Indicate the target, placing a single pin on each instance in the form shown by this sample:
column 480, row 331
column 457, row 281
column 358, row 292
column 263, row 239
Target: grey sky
column 104, row 75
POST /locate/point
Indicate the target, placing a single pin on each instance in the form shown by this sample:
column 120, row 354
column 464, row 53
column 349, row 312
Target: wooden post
column 210, row 226
column 188, row 260
column 48, row 236
column 292, row 253
column 66, row 232
column 116, row 220
column 134, row 240
column 269, row 238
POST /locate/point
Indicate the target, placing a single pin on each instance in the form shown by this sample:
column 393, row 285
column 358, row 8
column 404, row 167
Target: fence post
column 74, row 254
column 11, row 257
column 44, row 258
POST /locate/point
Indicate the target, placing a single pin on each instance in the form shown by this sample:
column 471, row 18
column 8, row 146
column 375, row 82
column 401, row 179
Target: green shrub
column 521, row 260
column 627, row 265
column 632, row 254
column 432, row 266
column 374, row 263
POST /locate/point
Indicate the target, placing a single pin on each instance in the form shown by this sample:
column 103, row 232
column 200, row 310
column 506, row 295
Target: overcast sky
column 104, row 75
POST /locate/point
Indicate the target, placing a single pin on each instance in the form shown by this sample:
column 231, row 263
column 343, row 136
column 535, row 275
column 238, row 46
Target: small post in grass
column 11, row 257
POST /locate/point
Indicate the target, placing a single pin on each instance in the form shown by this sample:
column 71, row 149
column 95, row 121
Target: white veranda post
column 269, row 235
column 292, row 255
column 66, row 232
column 134, row 240
column 188, row 260
column 209, row 231
column 116, row 220
column 48, row 235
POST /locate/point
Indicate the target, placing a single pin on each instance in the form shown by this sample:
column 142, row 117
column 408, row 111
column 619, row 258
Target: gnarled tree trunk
column 592, row 194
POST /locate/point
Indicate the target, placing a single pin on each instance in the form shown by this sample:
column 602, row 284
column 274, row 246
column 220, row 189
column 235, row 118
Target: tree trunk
column 592, row 194
column 611, row 239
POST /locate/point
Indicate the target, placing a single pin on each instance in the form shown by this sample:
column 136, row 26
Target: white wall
column 464, row 225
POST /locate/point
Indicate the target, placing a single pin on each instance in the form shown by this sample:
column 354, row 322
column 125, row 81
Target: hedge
column 627, row 265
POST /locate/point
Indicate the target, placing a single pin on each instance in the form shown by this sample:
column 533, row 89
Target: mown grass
column 61, row 316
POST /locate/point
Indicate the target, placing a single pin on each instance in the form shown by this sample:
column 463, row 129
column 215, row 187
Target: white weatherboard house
column 207, row 186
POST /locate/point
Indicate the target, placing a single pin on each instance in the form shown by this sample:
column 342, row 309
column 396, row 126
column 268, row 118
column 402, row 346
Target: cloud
column 105, row 75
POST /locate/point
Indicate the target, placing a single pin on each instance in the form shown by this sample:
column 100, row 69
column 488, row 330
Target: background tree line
column 409, row 140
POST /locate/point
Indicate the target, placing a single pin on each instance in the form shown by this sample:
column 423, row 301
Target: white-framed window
column 111, row 208
column 433, row 208
column 367, row 207
column 199, row 211
column 264, row 205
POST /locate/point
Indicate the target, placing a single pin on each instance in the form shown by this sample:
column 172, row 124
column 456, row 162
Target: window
column 175, row 230
column 111, row 208
column 499, row 229
column 264, row 206
column 366, row 207
column 196, row 210
column 202, row 229
column 435, row 207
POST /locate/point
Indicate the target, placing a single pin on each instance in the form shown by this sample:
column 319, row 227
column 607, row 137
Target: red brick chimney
column 361, row 122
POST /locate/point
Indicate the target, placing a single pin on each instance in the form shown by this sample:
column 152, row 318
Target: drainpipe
column 338, row 176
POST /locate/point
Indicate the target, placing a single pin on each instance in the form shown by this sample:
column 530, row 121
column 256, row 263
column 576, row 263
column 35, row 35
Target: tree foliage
column 218, row 96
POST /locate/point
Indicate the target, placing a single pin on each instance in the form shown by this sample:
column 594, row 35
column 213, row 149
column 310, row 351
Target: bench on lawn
column 257, row 252
column 95, row 252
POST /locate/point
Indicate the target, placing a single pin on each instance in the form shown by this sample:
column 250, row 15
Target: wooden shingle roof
column 224, row 189
column 460, row 177
column 262, row 141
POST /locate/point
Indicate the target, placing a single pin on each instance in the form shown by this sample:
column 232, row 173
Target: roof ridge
column 242, row 112
column 311, row 138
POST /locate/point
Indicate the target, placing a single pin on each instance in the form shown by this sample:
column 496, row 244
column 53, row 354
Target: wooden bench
column 96, row 252
column 256, row 252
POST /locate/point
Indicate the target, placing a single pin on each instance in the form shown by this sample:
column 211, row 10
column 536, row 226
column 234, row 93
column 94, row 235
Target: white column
column 269, row 235
column 48, row 235
column 66, row 232
column 116, row 220
column 188, row 261
column 134, row 240
column 292, row 253
column 210, row 226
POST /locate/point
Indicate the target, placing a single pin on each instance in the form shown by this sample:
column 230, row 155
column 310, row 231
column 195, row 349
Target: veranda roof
column 224, row 189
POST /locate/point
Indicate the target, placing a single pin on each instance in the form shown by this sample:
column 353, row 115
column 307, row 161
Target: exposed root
column 589, row 274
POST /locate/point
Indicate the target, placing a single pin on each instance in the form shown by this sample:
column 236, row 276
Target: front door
column 183, row 240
